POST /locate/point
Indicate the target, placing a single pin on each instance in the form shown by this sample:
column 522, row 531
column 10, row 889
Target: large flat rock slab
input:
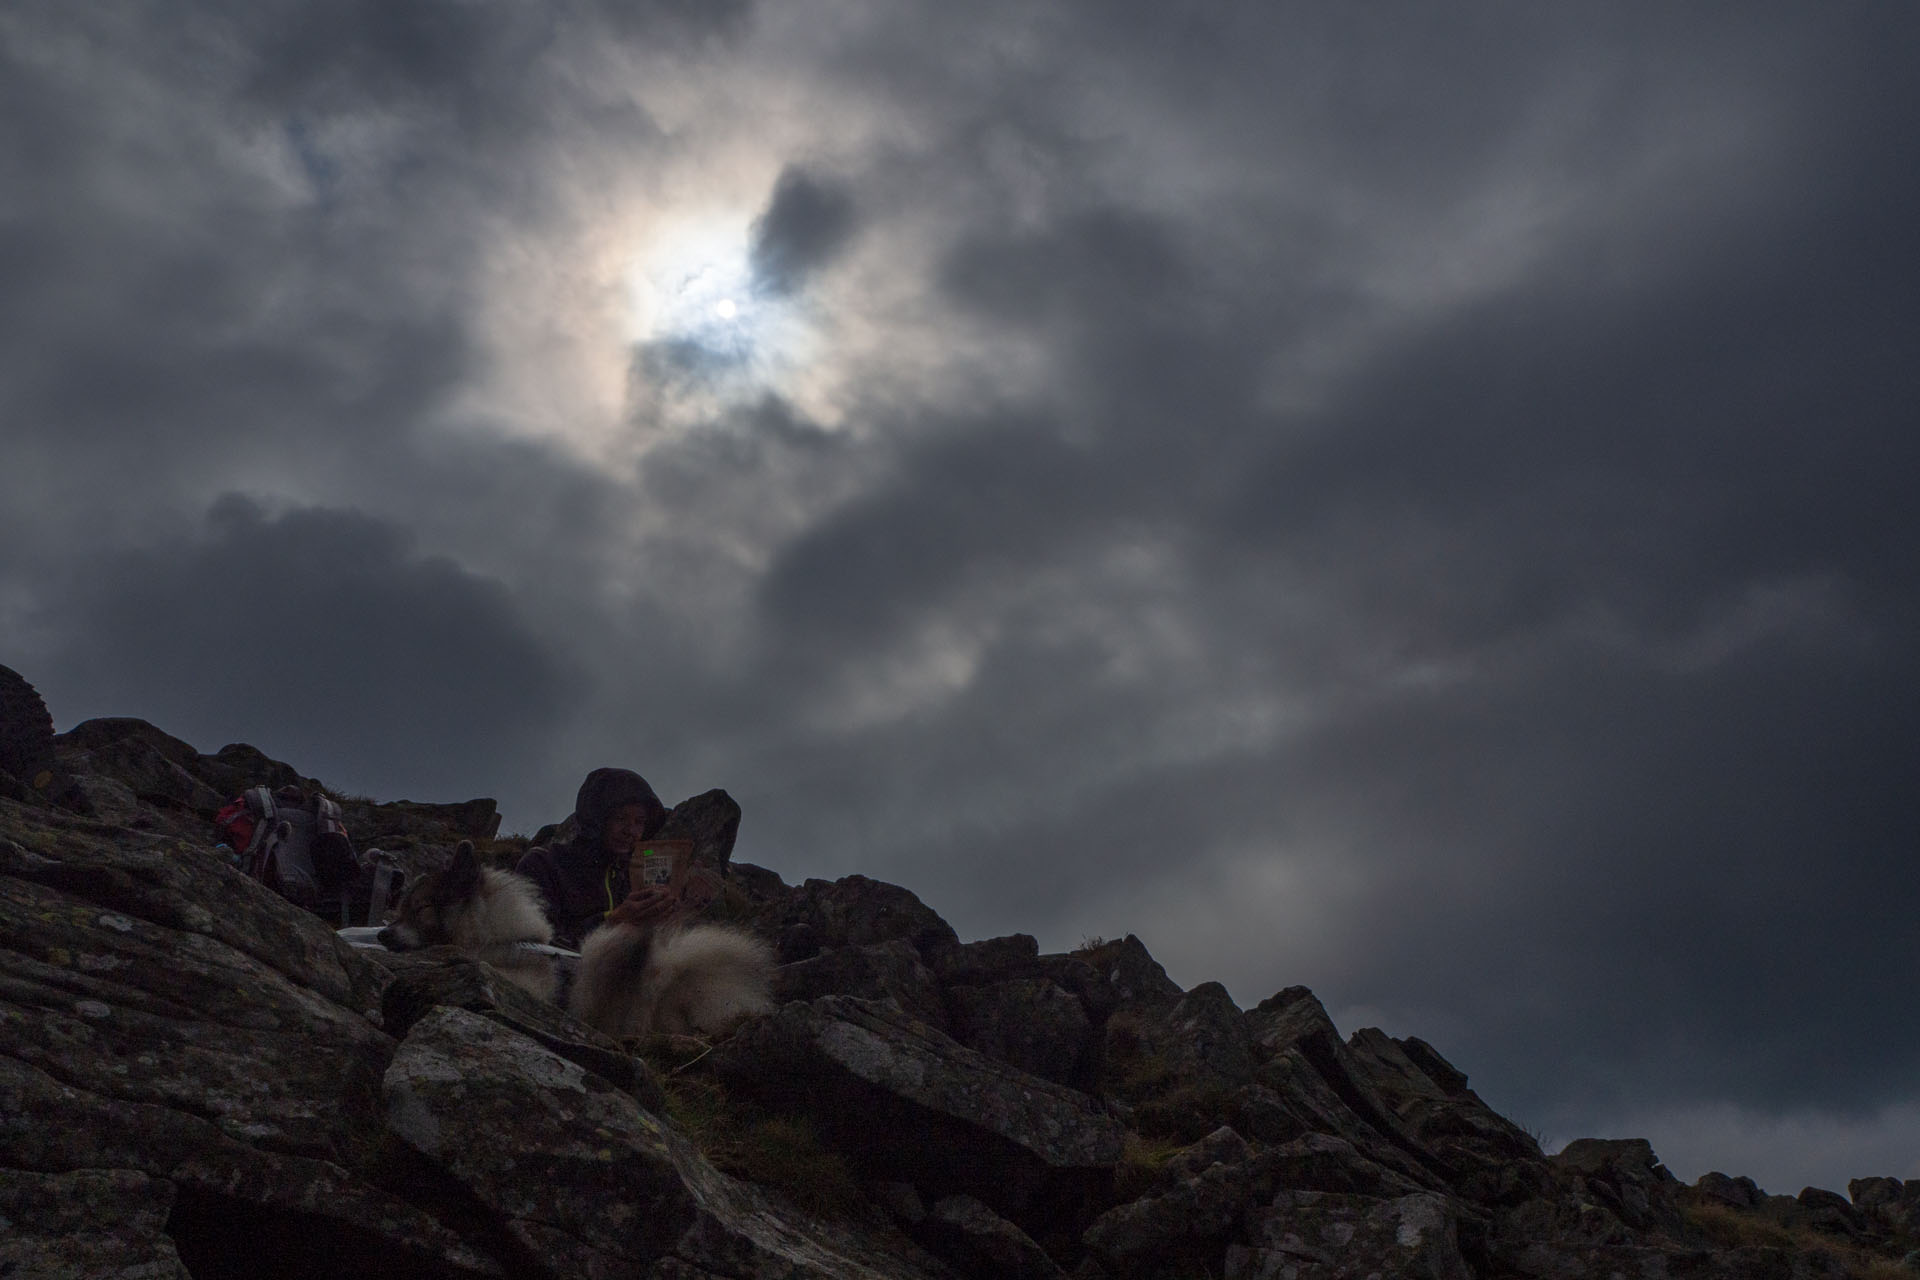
column 590, row 1184
column 904, row 1101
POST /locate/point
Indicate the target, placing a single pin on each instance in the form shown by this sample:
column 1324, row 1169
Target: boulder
column 1313, row 1235
column 1130, row 975
column 712, row 821
column 404, row 824
column 1290, row 1031
column 108, row 1224
column 889, row 970
column 1869, row 1194
column 851, row 912
column 26, row 738
column 237, row 766
column 1735, row 1193
column 586, row 1182
column 1309, row 1082
column 1625, row 1176
column 1176, row 1064
column 1482, row 1152
column 1029, row 1023
column 1016, row 955
column 1189, row 1219
column 156, row 766
column 108, row 800
column 442, row 977
column 904, row 1102
column 976, row 1241
column 580, row 1176
column 1830, row 1213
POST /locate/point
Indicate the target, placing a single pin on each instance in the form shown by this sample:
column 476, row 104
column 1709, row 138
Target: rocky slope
column 198, row 1078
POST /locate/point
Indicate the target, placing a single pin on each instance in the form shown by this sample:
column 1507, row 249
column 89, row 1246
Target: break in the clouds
column 1410, row 502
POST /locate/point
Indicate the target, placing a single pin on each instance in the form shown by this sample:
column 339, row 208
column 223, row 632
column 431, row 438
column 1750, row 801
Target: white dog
column 633, row 980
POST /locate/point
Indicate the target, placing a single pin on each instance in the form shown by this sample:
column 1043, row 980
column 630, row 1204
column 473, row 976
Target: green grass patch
column 779, row 1152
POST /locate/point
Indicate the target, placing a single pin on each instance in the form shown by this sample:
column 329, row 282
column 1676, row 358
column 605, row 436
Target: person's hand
column 650, row 904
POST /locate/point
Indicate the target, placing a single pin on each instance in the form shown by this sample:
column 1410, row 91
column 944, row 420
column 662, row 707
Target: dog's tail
column 607, row 991
column 696, row 978
column 708, row 977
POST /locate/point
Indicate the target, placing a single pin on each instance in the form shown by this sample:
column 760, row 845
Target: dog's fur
column 679, row 979
column 482, row 911
column 633, row 980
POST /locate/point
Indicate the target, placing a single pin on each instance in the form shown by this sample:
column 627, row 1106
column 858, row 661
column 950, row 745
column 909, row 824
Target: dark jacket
column 579, row 879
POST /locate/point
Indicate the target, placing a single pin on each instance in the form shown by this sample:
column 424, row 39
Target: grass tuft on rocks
column 778, row 1152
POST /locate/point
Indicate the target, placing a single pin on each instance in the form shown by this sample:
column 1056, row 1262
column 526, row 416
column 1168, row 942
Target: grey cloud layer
column 1437, row 527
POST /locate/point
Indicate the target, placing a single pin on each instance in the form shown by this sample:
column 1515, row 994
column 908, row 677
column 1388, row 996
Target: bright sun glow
column 692, row 283
column 706, row 337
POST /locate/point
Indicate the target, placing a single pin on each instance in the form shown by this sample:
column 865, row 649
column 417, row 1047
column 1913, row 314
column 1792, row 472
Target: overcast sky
column 1413, row 500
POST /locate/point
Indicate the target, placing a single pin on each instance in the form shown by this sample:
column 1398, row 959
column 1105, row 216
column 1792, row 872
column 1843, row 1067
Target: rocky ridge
column 198, row 1078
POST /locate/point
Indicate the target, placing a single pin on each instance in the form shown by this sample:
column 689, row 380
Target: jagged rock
column 237, row 766
column 1204, row 1196
column 1486, row 1157
column 978, row 1242
column 115, row 991
column 1830, row 1213
column 889, row 970
column 161, row 1014
column 1222, row 1146
column 855, row 911
column 1869, row 1194
column 1293, row 1030
column 440, row 976
column 1175, row 1065
column 1312, row 1235
column 100, row 1224
column 904, row 1102
column 757, row 885
column 1029, row 1023
column 1187, row 1219
column 1323, row 1162
column 158, row 767
column 1625, row 1176
column 228, row 1192
column 1738, row 1193
column 108, row 799
column 403, row 824
column 1306, row 1072
column 742, row 1231
column 26, row 738
column 1889, row 1202
column 587, row 1182
column 1130, row 975
column 487, row 1105
column 712, row 821
column 1016, row 955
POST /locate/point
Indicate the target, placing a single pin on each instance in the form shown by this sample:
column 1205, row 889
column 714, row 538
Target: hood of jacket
column 606, row 790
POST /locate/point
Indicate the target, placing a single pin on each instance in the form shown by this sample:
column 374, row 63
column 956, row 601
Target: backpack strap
column 258, row 854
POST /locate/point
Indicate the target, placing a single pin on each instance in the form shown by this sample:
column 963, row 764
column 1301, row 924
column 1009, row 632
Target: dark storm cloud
column 807, row 223
column 472, row 58
column 380, row 667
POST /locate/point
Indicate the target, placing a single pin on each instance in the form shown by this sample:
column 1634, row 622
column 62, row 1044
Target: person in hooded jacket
column 585, row 878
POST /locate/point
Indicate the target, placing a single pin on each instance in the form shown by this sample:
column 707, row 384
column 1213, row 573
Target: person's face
column 623, row 828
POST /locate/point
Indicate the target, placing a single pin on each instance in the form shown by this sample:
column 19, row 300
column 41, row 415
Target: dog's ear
column 463, row 874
